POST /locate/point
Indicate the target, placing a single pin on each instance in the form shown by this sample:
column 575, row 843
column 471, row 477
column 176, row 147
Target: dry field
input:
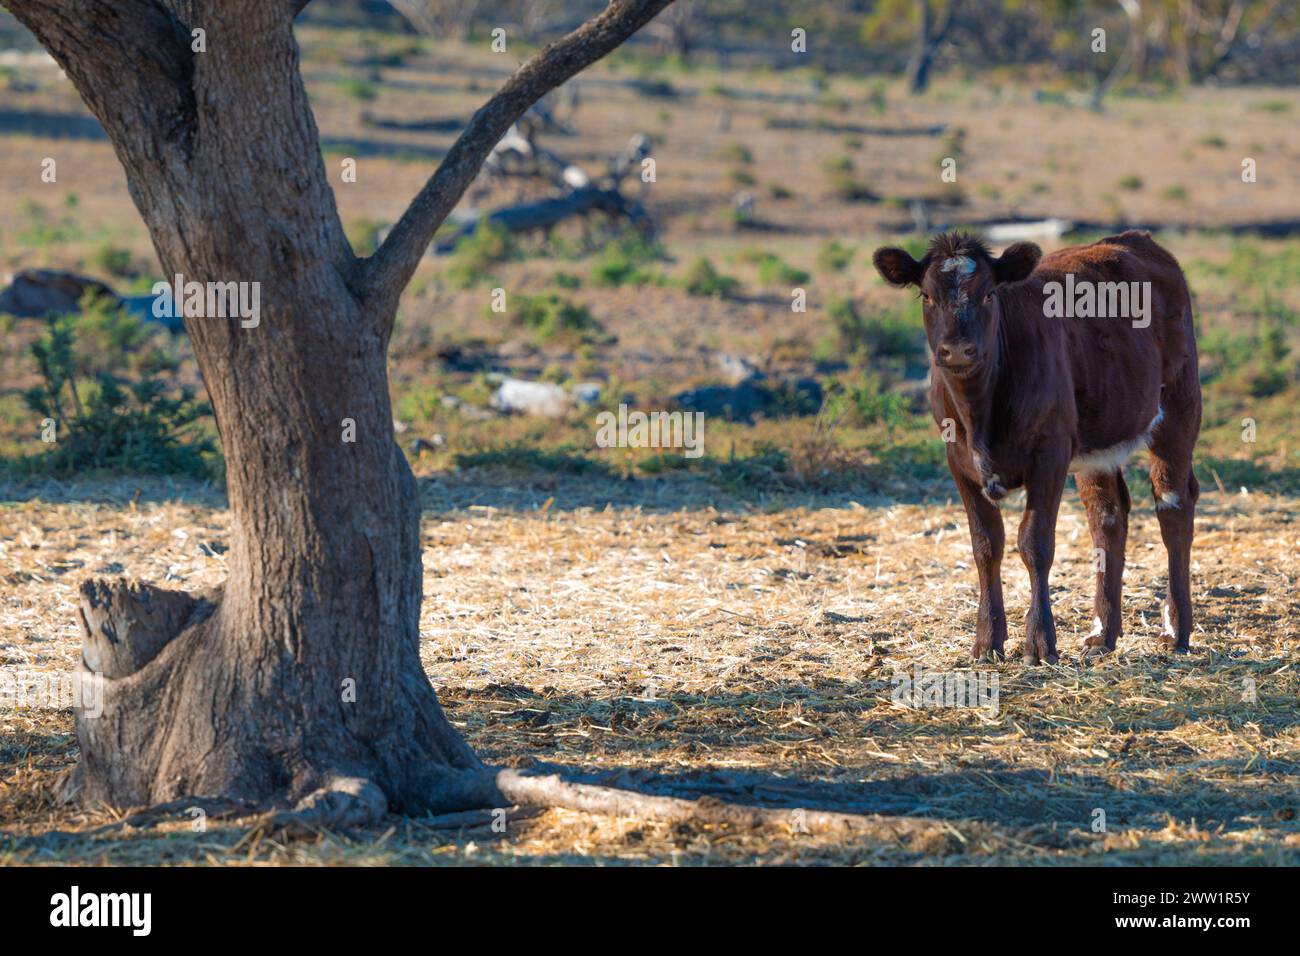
column 691, row 636
column 658, row 634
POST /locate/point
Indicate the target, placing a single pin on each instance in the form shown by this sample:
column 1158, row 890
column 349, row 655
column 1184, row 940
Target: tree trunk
column 298, row 683
column 305, row 668
column 929, row 38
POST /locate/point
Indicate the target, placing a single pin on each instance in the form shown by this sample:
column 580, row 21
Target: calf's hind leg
column 1105, row 496
column 1176, row 491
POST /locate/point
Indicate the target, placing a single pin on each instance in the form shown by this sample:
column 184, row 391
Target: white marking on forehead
column 961, row 267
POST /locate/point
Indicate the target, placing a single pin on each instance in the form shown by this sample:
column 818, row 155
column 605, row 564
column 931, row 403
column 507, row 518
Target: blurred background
column 689, row 224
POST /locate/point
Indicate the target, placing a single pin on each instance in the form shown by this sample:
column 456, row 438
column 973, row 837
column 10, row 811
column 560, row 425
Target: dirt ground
column 659, row 634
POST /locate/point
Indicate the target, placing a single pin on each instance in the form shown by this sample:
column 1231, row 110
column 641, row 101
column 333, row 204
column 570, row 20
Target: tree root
column 343, row 803
column 356, row 803
column 554, row 791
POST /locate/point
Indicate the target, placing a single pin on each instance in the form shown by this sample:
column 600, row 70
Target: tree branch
column 389, row 270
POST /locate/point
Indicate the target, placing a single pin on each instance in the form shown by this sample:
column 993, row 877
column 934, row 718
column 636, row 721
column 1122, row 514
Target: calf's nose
column 956, row 353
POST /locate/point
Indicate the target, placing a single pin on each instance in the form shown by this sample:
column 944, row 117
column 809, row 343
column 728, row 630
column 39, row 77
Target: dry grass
column 661, row 632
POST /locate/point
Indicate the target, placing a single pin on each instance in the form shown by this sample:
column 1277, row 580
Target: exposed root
column 357, row 803
column 343, row 803
column 553, row 791
column 474, row 819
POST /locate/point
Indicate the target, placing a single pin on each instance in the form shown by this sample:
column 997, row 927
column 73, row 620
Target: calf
column 1030, row 383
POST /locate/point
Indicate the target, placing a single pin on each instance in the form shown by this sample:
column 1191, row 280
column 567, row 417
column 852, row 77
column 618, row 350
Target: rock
column 542, row 399
column 740, row 403
column 737, row 403
column 36, row 293
column 141, row 306
column 464, row 408
column 736, row 369
column 587, row 393
column 516, row 349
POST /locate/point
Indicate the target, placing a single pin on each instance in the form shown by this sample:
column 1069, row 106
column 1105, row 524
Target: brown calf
column 1030, row 382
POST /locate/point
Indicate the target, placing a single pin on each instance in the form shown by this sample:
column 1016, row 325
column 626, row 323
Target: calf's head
column 957, row 279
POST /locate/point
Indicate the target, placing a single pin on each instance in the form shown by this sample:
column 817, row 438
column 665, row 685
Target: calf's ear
column 897, row 266
column 1017, row 262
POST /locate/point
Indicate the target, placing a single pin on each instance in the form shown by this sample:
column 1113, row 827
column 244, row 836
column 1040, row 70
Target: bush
column 833, row 256
column 141, row 426
column 358, row 89
column 702, row 279
column 887, row 334
column 476, row 253
column 772, row 271
column 113, row 260
column 868, row 400
column 551, row 316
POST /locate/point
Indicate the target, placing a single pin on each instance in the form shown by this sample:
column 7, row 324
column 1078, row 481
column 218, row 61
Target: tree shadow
column 719, row 733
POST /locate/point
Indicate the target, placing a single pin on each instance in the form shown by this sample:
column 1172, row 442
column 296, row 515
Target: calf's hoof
column 1032, row 658
column 1099, row 649
column 1169, row 645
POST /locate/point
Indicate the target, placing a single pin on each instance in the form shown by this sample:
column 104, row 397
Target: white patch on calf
column 1110, row 459
column 960, row 267
column 1168, row 499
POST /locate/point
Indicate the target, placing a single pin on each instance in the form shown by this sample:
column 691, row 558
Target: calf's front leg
column 1037, row 539
column 987, row 539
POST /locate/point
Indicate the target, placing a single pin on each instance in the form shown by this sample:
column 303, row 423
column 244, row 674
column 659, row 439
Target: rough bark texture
column 246, row 695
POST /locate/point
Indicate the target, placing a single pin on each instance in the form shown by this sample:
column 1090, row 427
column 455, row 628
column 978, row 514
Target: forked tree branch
column 389, row 270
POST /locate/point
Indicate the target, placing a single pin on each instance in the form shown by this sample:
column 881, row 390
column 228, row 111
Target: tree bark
column 300, row 682
column 929, row 38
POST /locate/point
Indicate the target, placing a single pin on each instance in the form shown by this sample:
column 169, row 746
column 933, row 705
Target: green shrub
column 487, row 246
column 834, row 257
column 736, row 153
column 523, row 457
column 553, row 317
column 702, row 279
column 113, row 260
column 866, row 400
column 773, row 271
column 107, row 422
column 356, row 88
column 886, row 334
